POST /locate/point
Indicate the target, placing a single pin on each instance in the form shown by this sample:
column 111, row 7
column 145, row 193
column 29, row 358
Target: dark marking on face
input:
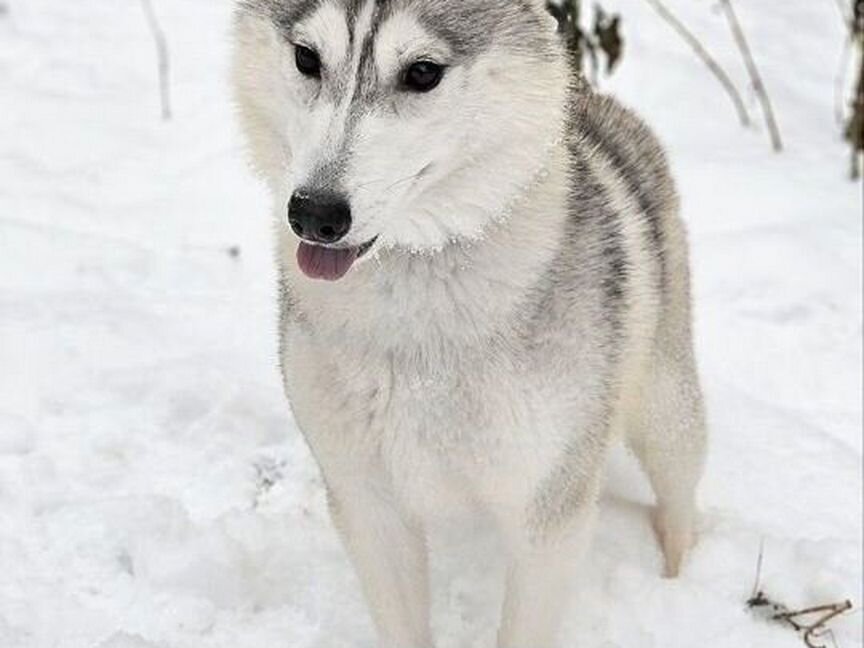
column 284, row 14
column 468, row 27
column 367, row 74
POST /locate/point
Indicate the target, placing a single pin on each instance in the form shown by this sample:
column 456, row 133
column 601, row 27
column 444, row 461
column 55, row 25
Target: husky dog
column 484, row 282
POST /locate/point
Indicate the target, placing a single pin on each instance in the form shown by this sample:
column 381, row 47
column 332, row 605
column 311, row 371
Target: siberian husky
column 484, row 283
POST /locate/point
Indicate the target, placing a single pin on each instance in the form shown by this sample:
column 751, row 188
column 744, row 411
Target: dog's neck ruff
column 518, row 200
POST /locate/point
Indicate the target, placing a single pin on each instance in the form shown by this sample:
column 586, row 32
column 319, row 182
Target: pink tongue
column 329, row 264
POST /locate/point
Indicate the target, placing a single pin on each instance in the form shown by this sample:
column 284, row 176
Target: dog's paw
column 676, row 536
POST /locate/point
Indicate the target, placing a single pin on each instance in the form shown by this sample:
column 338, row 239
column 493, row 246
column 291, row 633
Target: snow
column 154, row 491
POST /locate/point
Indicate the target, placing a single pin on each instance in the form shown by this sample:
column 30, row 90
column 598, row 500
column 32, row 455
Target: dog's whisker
column 393, row 185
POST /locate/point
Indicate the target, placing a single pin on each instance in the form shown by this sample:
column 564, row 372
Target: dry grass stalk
column 162, row 57
column 703, row 54
column 755, row 76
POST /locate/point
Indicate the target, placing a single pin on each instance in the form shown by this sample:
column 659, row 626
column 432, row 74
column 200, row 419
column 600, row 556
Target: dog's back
column 660, row 408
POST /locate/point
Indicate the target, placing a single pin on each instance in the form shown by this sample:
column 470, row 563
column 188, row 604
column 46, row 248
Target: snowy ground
column 154, row 492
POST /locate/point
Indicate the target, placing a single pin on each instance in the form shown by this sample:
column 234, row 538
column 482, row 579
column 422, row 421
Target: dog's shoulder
column 600, row 127
column 603, row 121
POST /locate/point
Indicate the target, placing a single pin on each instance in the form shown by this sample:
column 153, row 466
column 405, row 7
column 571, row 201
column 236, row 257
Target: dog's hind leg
column 667, row 428
column 670, row 444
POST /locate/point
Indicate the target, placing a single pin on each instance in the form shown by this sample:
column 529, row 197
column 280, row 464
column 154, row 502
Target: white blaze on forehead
column 335, row 117
column 362, row 28
column 326, row 29
column 403, row 40
column 338, row 115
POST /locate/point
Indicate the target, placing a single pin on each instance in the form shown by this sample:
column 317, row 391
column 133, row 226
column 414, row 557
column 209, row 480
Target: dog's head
column 396, row 123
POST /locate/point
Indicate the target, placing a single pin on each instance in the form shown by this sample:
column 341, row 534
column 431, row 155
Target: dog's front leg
column 543, row 566
column 390, row 557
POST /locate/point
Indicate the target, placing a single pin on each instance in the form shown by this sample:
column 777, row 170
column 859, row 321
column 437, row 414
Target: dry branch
column 757, row 581
column 755, row 76
column 162, row 56
column 812, row 629
column 585, row 47
column 842, row 9
column 818, row 615
column 855, row 125
column 700, row 51
column 840, row 83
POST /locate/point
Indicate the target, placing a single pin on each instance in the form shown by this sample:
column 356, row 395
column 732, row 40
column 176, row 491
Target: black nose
column 319, row 217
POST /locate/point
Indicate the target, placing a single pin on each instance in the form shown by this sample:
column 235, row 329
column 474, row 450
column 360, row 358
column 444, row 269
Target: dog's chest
column 445, row 430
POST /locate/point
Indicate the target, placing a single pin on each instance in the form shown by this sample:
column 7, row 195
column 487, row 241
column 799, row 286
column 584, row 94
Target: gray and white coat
column 525, row 301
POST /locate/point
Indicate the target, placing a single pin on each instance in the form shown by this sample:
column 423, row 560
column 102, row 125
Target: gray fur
column 469, row 26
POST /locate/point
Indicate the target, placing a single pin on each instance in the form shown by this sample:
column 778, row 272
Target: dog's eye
column 308, row 61
column 422, row 76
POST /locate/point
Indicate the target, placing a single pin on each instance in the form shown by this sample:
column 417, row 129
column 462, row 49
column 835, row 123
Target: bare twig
column 795, row 619
column 163, row 57
column 855, row 125
column 818, row 628
column 831, row 608
column 706, row 58
column 607, row 35
column 840, row 83
column 584, row 47
column 855, row 128
column 812, row 630
column 847, row 18
column 758, row 579
column 753, row 71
